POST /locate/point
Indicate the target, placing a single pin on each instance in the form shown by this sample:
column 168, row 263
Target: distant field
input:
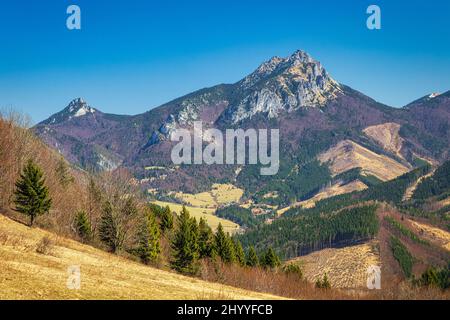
column 439, row 236
column 206, row 213
column 26, row 274
column 345, row 267
column 220, row 194
column 348, row 155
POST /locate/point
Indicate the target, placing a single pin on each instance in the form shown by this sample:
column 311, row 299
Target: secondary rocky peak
column 78, row 107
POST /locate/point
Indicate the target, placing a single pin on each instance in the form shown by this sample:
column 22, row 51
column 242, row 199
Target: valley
column 359, row 184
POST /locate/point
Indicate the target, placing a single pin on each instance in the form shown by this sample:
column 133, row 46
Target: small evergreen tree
column 224, row 246
column 293, row 269
column 109, row 231
column 271, row 260
column 62, row 170
column 148, row 239
column 205, row 240
column 31, row 194
column 95, row 200
column 185, row 244
column 166, row 219
column 83, row 225
column 252, row 257
column 240, row 255
column 323, row 283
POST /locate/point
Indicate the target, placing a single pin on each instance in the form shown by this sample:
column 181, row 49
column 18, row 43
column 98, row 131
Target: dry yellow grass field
column 387, row 135
column 206, row 213
column 347, row 155
column 439, row 236
column 220, row 194
column 345, row 267
column 328, row 192
column 199, row 200
column 26, row 274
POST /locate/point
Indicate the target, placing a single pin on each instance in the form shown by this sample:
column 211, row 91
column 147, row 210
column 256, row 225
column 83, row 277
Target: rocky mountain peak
column 75, row 109
column 284, row 85
column 78, row 107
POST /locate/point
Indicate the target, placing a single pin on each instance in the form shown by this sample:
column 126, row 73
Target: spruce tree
column 31, row 194
column 252, row 258
column 62, row 170
column 323, row 283
column 166, row 219
column 148, row 239
column 271, row 260
column 83, row 225
column 185, row 244
column 205, row 240
column 240, row 255
column 109, row 232
column 95, row 200
column 224, row 246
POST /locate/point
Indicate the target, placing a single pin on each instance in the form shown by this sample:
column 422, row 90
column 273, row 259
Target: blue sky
column 131, row 56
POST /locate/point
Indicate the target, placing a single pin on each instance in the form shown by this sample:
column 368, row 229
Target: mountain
column 295, row 94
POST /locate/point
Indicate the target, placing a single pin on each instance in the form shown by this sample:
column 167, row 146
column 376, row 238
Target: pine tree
column 95, row 200
column 83, row 225
column 166, row 219
column 109, row 229
column 252, row 257
column 240, row 255
column 62, row 170
column 271, row 260
column 148, row 239
column 205, row 240
column 185, row 244
column 224, row 246
column 323, row 283
column 31, row 194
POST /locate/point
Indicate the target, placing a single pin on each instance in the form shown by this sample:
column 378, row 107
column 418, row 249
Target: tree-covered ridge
column 294, row 236
column 435, row 185
column 394, row 190
column 400, row 228
column 292, row 183
column 242, row 216
column 402, row 255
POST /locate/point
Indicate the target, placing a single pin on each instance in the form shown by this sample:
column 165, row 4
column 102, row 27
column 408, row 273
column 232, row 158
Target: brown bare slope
column 348, row 154
column 387, row 135
column 27, row 274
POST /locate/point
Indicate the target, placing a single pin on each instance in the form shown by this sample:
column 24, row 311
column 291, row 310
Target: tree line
column 118, row 219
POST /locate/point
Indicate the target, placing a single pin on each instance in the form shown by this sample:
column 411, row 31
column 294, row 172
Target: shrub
column 45, row 246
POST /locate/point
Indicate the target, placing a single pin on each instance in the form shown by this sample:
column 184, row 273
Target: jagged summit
column 284, row 85
column 76, row 108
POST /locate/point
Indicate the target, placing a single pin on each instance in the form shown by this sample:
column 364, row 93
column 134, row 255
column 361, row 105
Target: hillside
column 27, row 274
column 347, row 266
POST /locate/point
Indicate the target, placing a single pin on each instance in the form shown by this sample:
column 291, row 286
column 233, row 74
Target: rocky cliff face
column 284, row 85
